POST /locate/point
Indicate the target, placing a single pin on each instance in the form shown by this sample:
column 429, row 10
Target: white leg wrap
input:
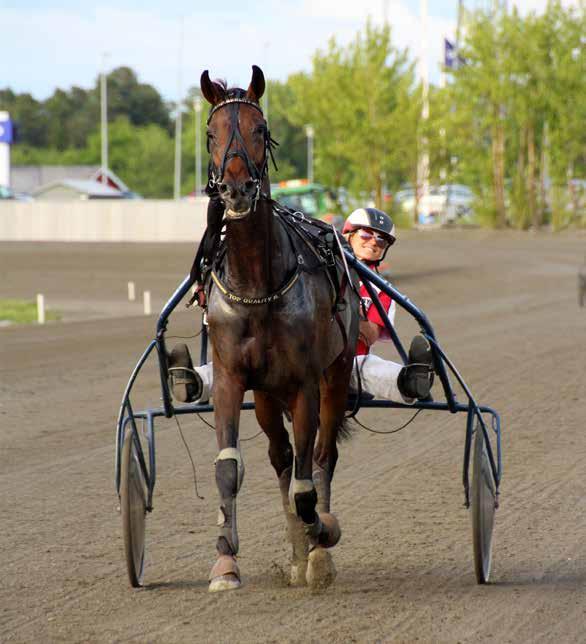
column 297, row 486
column 378, row 377
column 235, row 454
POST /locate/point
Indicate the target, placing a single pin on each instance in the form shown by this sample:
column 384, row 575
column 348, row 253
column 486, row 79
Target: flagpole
column 178, row 118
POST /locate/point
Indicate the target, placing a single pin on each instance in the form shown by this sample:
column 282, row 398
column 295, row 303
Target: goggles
column 381, row 241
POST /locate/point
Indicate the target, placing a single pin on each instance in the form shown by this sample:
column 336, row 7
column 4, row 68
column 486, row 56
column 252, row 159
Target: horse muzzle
column 238, row 199
column 234, row 215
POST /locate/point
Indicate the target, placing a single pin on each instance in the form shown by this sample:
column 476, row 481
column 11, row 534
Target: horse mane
column 231, row 92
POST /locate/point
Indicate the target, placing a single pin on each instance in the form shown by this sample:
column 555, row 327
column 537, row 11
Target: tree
column 359, row 101
column 139, row 102
column 141, row 156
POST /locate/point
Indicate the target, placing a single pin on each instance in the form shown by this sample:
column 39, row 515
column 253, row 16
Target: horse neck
column 256, row 259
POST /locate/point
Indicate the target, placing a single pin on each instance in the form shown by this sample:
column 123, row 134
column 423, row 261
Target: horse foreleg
column 228, row 396
column 269, row 413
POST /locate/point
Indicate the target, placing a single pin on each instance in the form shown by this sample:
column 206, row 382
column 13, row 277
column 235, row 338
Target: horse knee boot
column 229, row 476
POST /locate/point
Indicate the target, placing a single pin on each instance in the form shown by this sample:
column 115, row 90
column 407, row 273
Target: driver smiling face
column 366, row 250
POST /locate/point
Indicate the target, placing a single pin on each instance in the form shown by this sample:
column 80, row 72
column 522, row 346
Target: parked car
column 442, row 205
column 7, row 193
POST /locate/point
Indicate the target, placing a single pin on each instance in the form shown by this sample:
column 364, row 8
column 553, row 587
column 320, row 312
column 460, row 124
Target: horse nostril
column 224, row 188
column 249, row 186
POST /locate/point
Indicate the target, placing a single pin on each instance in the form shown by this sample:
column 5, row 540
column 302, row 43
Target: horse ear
column 212, row 92
column 257, row 85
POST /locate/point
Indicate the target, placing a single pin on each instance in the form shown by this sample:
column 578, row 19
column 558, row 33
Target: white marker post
column 131, row 292
column 146, row 298
column 40, row 308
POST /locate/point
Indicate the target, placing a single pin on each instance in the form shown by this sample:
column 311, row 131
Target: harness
column 267, row 299
column 315, row 244
column 317, row 247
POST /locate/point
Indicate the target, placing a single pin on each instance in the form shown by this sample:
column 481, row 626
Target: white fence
column 103, row 221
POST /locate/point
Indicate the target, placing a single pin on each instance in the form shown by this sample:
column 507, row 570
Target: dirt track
column 504, row 307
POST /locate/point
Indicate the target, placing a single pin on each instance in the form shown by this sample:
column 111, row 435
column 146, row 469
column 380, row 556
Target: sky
column 61, row 43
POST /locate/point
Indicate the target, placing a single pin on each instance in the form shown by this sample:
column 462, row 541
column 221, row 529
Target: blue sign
column 6, row 132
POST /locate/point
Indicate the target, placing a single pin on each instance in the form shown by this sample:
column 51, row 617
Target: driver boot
column 185, row 383
column 416, row 377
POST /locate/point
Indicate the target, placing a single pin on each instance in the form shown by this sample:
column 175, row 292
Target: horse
column 273, row 331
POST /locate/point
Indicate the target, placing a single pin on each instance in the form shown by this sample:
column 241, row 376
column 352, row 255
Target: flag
column 449, row 54
column 452, row 60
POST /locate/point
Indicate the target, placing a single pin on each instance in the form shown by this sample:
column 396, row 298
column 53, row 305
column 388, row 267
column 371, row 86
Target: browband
column 228, row 101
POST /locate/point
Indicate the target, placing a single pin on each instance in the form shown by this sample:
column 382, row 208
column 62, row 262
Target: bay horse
column 273, row 331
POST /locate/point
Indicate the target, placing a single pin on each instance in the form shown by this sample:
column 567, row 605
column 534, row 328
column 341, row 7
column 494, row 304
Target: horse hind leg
column 303, row 495
column 296, row 532
column 321, row 570
column 269, row 416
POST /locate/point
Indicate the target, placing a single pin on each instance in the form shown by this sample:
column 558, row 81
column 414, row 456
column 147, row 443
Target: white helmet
column 374, row 219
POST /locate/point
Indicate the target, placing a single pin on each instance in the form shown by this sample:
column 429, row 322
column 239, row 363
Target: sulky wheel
column 483, row 507
column 133, row 502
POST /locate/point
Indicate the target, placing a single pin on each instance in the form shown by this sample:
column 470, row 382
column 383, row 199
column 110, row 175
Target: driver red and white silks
column 378, row 377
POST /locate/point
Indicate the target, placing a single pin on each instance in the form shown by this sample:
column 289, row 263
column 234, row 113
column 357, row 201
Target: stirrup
column 185, row 383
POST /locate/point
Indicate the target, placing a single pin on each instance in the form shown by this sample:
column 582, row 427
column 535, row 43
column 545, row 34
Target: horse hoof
column 298, row 574
column 226, row 582
column 321, row 570
column 225, row 575
column 331, row 533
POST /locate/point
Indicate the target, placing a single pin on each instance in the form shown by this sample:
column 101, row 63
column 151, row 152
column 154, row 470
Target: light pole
column 178, row 118
column 197, row 109
column 309, row 133
column 423, row 165
column 104, row 117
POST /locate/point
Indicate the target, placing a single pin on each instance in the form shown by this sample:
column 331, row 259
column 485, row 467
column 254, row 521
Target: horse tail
column 345, row 431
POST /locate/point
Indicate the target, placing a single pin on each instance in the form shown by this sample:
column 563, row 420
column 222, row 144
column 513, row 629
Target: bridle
column 215, row 174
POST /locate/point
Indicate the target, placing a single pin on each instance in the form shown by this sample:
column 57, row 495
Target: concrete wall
column 103, row 220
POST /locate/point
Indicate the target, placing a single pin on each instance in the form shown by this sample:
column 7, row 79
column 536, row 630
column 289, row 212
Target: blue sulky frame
column 128, row 416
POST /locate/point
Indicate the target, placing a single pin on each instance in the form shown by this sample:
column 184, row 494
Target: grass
column 23, row 312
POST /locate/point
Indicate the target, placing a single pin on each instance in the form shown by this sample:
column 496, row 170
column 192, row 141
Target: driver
column 370, row 233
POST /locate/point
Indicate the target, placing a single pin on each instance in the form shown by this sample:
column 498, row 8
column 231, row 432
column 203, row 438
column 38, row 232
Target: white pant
column 378, row 377
column 206, row 373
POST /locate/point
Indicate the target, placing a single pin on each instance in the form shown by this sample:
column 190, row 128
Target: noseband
column 215, row 174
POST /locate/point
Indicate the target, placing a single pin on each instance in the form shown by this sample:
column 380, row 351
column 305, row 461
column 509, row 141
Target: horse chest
column 257, row 345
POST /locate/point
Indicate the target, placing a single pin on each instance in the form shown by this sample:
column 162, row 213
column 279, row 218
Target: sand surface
column 504, row 307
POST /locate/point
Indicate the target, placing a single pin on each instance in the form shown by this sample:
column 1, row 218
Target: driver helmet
column 371, row 218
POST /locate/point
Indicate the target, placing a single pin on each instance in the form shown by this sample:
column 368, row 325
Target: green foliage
column 23, row 312
column 142, row 156
column 525, row 80
column 360, row 101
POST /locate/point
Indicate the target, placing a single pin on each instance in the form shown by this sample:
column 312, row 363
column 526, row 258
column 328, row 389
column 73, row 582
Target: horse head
column 238, row 142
